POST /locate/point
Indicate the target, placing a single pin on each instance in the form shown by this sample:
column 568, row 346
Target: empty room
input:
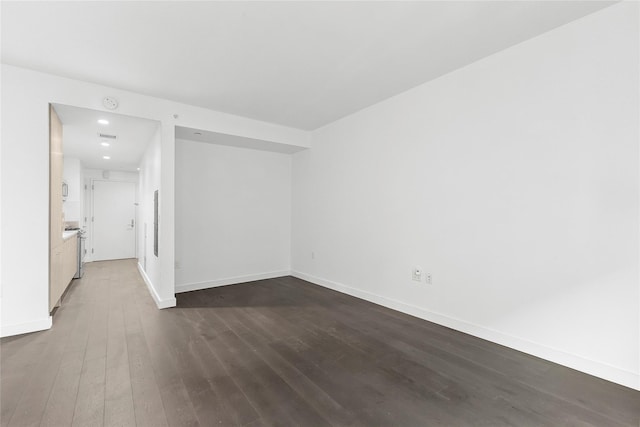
column 320, row 213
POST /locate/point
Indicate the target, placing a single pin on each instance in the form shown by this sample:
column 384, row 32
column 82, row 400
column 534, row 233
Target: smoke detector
column 110, row 103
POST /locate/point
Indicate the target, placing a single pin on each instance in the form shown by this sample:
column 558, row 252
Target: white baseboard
column 186, row 287
column 26, row 327
column 161, row 303
column 591, row 367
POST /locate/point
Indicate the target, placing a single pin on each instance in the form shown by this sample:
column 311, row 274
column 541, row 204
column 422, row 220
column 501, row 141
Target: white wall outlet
column 313, row 255
column 178, row 265
column 429, row 278
column 416, row 274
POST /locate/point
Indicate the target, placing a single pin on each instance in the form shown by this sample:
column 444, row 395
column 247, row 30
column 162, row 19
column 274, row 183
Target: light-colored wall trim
column 166, row 303
column 27, row 327
column 186, row 287
column 574, row 361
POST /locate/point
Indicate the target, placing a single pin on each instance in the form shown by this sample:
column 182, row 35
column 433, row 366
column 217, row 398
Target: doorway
column 113, row 220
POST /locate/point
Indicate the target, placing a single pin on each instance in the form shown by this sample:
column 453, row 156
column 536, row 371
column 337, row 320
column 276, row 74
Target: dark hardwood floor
column 278, row 352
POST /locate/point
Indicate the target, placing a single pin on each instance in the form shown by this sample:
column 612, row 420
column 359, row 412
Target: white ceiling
column 80, row 138
column 300, row 64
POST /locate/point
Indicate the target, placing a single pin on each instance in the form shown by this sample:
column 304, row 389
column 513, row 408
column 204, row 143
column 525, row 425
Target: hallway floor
column 277, row 352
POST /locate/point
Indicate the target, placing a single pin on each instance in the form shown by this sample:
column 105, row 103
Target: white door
column 114, row 214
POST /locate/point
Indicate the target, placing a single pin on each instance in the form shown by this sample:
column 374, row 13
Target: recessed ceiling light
column 105, row 144
column 106, row 157
column 103, row 122
column 138, row 168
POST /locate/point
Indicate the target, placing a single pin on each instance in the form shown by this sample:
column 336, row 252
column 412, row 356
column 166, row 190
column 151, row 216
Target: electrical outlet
column 416, row 274
column 313, row 255
column 178, row 265
column 429, row 278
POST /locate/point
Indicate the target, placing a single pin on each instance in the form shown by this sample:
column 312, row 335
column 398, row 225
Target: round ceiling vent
column 110, row 103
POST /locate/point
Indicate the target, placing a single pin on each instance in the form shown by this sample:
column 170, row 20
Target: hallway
column 92, row 363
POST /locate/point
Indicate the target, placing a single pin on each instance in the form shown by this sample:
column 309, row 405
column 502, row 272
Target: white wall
column 25, row 159
column 233, row 215
column 514, row 181
column 150, row 181
column 25, row 102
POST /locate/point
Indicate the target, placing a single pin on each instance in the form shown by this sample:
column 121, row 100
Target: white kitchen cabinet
column 72, row 175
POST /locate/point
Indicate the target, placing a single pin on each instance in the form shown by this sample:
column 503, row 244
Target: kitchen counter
column 67, row 234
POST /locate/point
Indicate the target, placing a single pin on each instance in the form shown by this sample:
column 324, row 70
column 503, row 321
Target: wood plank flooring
column 277, row 352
